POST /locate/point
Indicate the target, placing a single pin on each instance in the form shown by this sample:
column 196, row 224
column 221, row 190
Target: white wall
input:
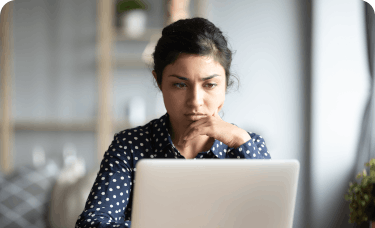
column 340, row 87
column 268, row 60
column 270, row 39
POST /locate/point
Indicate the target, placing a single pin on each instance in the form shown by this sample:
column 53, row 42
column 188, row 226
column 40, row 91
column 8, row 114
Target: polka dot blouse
column 110, row 200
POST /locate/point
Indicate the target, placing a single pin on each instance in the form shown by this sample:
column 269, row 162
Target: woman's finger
column 212, row 125
column 192, row 125
column 200, row 129
column 204, row 129
column 192, row 133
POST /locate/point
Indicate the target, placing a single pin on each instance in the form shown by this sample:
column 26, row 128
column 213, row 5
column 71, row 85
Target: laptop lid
column 214, row 193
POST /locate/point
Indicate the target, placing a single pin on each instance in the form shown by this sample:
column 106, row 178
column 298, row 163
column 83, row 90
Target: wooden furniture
column 105, row 10
column 6, row 66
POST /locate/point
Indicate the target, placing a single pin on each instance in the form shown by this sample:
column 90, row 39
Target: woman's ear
column 156, row 79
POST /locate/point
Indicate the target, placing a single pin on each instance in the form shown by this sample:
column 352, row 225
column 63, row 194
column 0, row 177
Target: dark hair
column 192, row 36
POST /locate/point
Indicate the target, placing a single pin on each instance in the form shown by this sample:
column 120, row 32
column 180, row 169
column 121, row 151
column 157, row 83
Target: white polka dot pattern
column 110, row 200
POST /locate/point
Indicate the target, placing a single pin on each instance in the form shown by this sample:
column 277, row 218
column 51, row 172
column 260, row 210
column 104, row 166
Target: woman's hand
column 213, row 126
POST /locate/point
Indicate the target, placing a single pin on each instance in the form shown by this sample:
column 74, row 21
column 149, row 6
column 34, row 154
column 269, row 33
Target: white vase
column 134, row 23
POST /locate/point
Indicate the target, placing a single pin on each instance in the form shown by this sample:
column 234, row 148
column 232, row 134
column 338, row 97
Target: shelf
column 54, row 125
column 135, row 61
column 58, row 125
column 120, row 36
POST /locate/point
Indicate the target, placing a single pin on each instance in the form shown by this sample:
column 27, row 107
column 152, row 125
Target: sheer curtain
column 366, row 142
column 366, row 146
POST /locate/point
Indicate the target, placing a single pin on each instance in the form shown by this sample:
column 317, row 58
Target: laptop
column 209, row 193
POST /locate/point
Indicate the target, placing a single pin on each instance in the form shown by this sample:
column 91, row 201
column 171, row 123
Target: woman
column 192, row 69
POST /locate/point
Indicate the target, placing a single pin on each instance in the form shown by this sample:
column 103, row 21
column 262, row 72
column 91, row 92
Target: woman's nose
column 195, row 97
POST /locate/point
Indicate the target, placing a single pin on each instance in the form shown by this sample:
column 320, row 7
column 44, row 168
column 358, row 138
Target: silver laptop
column 214, row 193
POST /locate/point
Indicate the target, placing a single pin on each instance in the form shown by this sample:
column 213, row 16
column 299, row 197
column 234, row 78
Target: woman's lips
column 195, row 117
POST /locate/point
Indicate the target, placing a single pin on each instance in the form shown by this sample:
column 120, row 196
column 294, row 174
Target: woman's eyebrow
column 209, row 77
column 186, row 79
column 179, row 77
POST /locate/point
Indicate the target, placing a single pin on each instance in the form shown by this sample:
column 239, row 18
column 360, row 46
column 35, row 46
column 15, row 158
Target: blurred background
column 74, row 72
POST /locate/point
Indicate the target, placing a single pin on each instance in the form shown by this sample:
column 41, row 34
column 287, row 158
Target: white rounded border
column 2, row 4
column 371, row 2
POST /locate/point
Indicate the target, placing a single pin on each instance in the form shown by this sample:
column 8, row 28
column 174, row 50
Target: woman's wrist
column 241, row 137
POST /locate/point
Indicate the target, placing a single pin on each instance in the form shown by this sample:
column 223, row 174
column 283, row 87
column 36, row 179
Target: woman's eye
column 179, row 85
column 210, row 85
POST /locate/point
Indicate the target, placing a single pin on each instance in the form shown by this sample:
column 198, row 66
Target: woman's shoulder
column 145, row 135
column 139, row 142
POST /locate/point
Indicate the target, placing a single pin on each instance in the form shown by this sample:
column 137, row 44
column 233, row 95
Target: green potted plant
column 133, row 17
column 361, row 196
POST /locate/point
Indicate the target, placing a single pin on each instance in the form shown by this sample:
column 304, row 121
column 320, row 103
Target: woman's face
column 193, row 87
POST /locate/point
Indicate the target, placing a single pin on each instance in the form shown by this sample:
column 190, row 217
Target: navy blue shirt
column 110, row 200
